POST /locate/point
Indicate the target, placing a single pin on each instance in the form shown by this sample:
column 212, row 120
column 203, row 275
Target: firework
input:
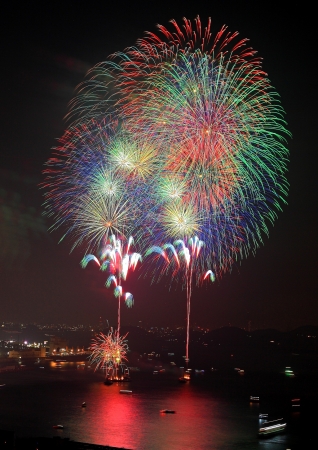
column 220, row 122
column 96, row 218
column 180, row 258
column 181, row 135
column 116, row 259
column 98, row 184
column 108, row 351
column 132, row 158
column 205, row 103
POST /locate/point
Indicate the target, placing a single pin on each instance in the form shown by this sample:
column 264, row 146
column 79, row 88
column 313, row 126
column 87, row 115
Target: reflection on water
column 34, row 401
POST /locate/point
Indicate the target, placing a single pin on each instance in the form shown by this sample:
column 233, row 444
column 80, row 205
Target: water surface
column 207, row 417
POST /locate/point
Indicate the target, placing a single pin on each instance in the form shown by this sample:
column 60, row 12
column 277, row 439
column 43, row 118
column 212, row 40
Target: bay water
column 209, row 414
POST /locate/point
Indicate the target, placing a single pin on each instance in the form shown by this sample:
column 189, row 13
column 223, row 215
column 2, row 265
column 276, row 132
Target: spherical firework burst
column 189, row 139
column 106, row 184
column 214, row 112
column 207, row 106
column 132, row 158
column 97, row 218
column 98, row 184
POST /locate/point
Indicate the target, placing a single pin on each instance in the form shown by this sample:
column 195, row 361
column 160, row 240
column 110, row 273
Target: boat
column 271, row 427
column 263, row 416
column 183, row 380
column 121, row 379
column 125, row 391
column 254, row 399
column 59, row 427
column 167, row 411
column 295, row 402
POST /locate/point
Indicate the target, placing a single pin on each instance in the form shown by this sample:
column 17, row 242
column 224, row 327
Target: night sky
column 46, row 50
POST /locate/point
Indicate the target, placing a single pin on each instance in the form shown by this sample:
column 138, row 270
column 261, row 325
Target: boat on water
column 183, row 380
column 295, row 402
column 167, row 411
column 254, row 399
column 125, row 391
column 59, row 427
column 263, row 416
column 271, row 427
column 121, row 379
column 186, row 376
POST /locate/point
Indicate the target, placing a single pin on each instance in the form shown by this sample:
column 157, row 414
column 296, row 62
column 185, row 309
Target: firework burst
column 181, row 259
column 218, row 127
column 108, row 351
column 181, row 135
column 98, row 184
column 117, row 259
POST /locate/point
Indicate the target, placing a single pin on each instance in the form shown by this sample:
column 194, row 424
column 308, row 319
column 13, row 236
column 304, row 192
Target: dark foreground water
column 210, row 413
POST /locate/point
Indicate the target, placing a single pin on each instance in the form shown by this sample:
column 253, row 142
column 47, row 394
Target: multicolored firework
column 220, row 123
column 116, row 259
column 180, row 259
column 108, row 352
column 98, row 184
column 218, row 128
column 181, row 135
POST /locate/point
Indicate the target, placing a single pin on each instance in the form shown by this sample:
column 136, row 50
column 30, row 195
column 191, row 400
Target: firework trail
column 117, row 259
column 181, row 257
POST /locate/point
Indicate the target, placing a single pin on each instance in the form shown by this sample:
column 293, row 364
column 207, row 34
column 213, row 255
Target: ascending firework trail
column 180, row 259
column 116, row 259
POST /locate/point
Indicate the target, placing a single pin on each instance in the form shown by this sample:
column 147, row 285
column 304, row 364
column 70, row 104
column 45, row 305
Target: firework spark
column 181, row 135
column 116, row 258
column 108, row 351
column 180, row 258
column 218, row 129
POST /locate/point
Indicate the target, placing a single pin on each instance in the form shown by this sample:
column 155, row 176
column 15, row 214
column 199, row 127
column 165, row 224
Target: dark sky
column 46, row 50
